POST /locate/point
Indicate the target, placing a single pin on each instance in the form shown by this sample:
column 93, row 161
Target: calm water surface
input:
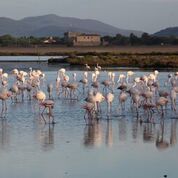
column 121, row 147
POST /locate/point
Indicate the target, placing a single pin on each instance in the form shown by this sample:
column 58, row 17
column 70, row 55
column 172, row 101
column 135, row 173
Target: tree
column 7, row 40
column 134, row 40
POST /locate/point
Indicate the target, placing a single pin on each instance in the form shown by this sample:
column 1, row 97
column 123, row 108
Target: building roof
column 87, row 34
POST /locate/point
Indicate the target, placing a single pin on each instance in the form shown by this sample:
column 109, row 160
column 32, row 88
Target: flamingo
column 98, row 99
column 15, row 92
column 149, row 108
column 46, row 104
column 113, row 78
column 87, row 67
column 58, row 79
column 89, row 112
column 109, row 99
column 98, row 67
column 50, row 90
column 122, row 99
column 121, row 79
column 72, row 90
column 74, row 77
column 4, row 95
column 1, row 71
column 106, row 84
column 173, row 97
column 22, row 88
column 129, row 75
column 161, row 102
column 84, row 82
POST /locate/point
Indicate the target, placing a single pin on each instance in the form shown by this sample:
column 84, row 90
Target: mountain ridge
column 38, row 25
column 170, row 31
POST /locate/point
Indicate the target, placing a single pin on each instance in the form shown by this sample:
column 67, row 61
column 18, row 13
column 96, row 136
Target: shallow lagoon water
column 119, row 147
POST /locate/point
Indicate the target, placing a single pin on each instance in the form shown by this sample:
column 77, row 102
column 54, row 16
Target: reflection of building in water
column 173, row 137
column 161, row 144
column 93, row 135
column 149, row 132
column 122, row 129
column 47, row 137
column 109, row 134
column 4, row 135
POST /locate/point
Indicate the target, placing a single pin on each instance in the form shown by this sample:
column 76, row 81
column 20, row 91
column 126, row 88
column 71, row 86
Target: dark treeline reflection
column 163, row 134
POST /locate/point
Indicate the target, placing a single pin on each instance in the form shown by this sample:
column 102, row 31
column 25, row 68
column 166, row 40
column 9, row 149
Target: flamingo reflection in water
column 46, row 137
column 173, row 136
column 4, row 134
column 109, row 134
column 93, row 135
column 161, row 143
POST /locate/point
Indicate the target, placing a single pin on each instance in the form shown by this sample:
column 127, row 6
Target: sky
column 145, row 15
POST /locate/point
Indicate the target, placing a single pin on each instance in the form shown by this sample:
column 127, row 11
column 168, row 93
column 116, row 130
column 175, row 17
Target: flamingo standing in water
column 50, row 90
column 98, row 67
column 129, row 76
column 87, row 67
column 161, row 102
column 73, row 87
column 173, row 96
column 89, row 112
column 121, row 79
column 64, row 85
column 106, row 84
column 15, row 92
column 95, row 83
column 58, row 79
column 4, row 95
column 46, row 104
column 84, row 81
column 122, row 99
column 74, row 75
column 109, row 99
column 98, row 99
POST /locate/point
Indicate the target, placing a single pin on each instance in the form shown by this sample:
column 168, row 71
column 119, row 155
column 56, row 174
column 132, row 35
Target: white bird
column 109, row 99
column 46, row 104
column 122, row 99
column 50, row 90
column 173, row 96
column 129, row 76
column 74, row 77
column 161, row 102
column 98, row 67
column 87, row 66
column 4, row 95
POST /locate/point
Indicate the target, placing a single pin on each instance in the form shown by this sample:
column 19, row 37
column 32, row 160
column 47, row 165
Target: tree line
column 145, row 39
column 8, row 40
column 118, row 40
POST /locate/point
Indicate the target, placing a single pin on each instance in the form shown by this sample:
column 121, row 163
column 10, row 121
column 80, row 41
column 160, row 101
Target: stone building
column 82, row 39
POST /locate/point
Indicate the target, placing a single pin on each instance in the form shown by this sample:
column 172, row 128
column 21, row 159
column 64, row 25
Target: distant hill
column 53, row 25
column 172, row 31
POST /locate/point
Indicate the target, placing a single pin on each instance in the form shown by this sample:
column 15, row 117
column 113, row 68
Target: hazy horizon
column 139, row 15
